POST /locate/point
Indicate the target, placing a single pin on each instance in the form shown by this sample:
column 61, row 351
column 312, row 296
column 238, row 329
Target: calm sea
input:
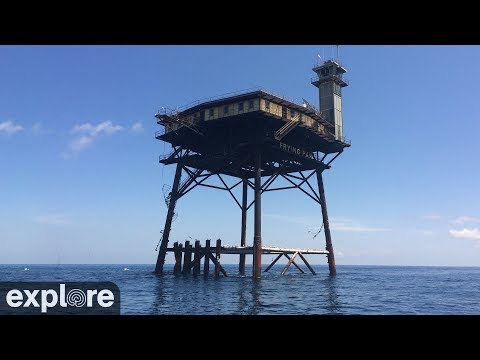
column 355, row 290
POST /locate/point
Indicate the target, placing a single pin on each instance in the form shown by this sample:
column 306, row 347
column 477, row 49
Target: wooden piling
column 306, row 263
column 177, row 250
column 295, row 264
column 196, row 258
column 218, row 265
column 206, row 264
column 273, row 262
column 289, row 263
column 187, row 258
column 217, row 256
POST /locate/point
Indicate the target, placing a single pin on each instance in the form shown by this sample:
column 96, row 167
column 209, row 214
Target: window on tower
column 240, row 106
column 225, row 110
column 250, row 104
column 267, row 105
column 210, row 112
column 337, row 89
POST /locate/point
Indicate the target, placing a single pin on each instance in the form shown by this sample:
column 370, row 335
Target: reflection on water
column 256, row 291
column 333, row 305
column 355, row 290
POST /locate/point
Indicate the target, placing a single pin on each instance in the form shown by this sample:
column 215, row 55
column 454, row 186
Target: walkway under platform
column 213, row 253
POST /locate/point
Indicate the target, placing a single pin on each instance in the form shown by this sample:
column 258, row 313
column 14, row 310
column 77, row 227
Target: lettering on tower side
column 296, row 151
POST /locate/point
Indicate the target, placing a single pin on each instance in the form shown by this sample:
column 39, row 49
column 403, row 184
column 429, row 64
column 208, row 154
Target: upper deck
column 250, row 117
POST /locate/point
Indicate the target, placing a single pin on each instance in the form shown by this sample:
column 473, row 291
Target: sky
column 80, row 180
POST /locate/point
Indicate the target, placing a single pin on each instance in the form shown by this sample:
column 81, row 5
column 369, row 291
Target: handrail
column 316, row 78
column 169, row 111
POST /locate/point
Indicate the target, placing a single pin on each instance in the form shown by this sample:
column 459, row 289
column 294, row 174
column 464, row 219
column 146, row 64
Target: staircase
column 289, row 126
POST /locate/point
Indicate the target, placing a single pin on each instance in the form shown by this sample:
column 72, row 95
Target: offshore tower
column 252, row 135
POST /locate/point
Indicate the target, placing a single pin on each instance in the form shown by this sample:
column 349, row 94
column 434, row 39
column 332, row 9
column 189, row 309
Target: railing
column 166, row 156
column 330, row 77
column 169, row 111
column 160, row 132
column 346, row 141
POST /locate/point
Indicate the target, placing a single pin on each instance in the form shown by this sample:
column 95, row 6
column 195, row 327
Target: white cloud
column 465, row 219
column 137, row 127
column 338, row 224
column 302, row 220
column 431, row 217
column 9, row 127
column 39, row 129
column 81, row 143
column 465, row 233
column 87, row 133
column 355, row 228
column 106, row 127
column 427, row 232
column 53, row 219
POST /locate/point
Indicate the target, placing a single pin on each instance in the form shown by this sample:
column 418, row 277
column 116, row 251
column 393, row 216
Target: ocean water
column 355, row 289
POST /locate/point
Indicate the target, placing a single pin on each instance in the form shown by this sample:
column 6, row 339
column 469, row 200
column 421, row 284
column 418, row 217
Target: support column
column 168, row 222
column 326, row 225
column 257, row 239
column 243, row 237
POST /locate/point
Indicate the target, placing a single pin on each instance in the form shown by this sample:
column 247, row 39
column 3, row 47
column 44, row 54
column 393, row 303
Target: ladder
column 289, row 126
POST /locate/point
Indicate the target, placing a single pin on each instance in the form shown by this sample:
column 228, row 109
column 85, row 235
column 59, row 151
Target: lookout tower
column 330, row 82
column 255, row 137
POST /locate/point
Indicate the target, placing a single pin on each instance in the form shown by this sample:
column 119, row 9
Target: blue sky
column 80, row 180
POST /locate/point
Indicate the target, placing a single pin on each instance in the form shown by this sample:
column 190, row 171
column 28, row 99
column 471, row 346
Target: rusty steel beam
column 168, row 222
column 273, row 262
column 307, row 263
column 295, row 264
column 243, row 236
column 257, row 238
column 326, row 226
column 289, row 263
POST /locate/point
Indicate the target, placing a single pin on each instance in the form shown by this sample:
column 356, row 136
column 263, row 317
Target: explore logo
column 57, row 298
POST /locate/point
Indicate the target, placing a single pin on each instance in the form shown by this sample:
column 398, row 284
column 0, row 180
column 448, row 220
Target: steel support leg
column 257, row 239
column 326, row 226
column 168, row 222
column 243, row 238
